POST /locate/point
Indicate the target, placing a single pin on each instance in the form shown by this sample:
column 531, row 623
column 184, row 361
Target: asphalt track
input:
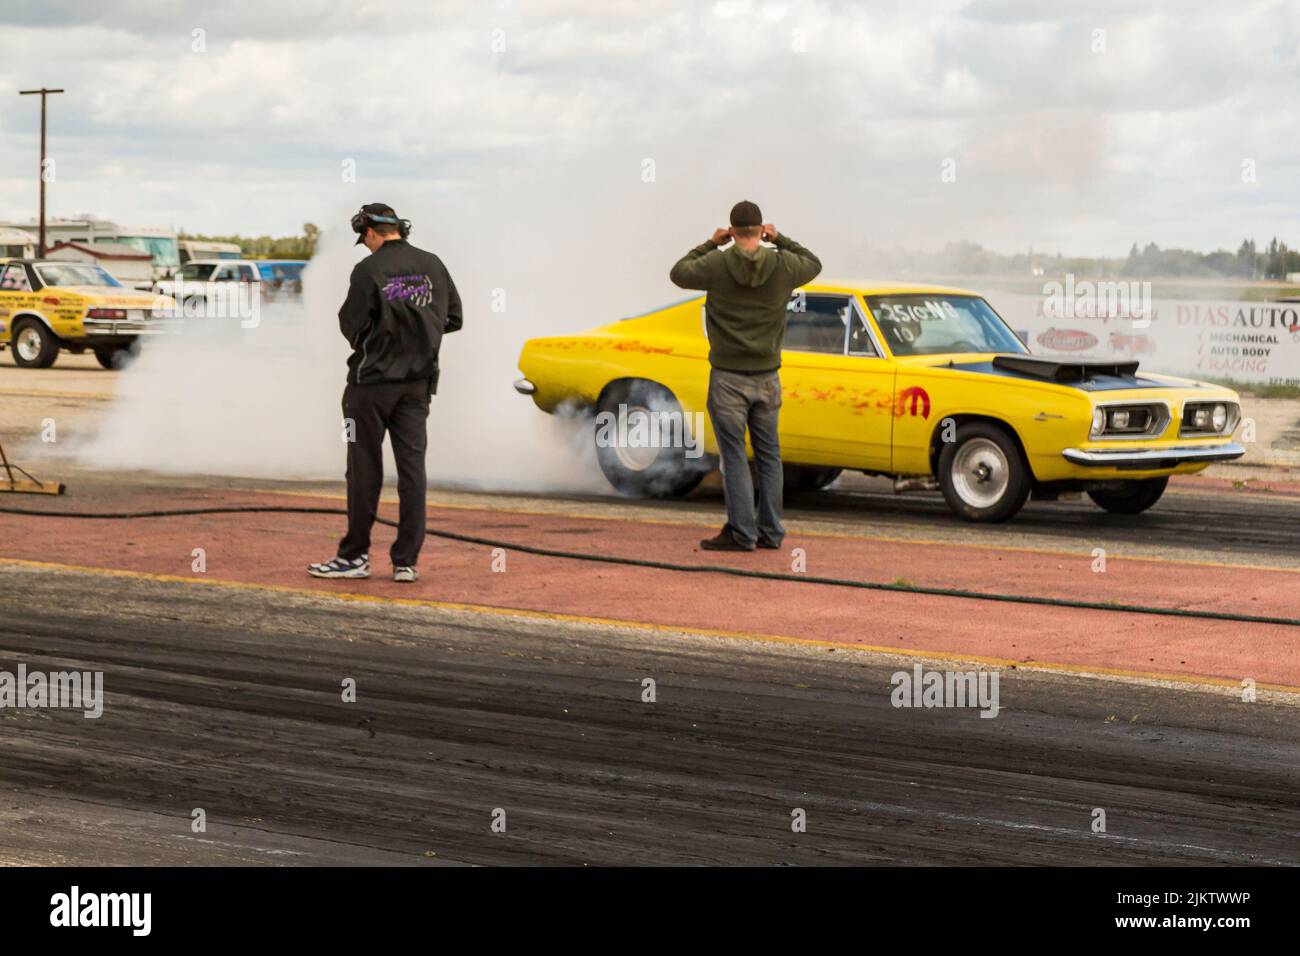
column 229, row 700
column 225, row 696
column 1214, row 518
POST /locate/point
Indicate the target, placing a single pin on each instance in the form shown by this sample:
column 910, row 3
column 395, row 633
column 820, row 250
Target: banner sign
column 1257, row 342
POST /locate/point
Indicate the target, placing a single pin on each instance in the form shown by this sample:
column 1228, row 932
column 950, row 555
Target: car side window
column 817, row 323
column 14, row 279
column 246, row 274
column 860, row 340
column 223, row 274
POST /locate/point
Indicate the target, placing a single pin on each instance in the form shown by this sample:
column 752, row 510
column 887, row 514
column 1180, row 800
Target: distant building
column 159, row 242
column 127, row 264
column 16, row 244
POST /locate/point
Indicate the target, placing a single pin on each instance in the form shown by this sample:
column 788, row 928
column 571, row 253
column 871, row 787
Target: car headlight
column 1130, row 420
column 1209, row 418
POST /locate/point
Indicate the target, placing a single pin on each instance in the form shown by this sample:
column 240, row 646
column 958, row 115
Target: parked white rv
column 17, row 243
column 194, row 249
column 159, row 242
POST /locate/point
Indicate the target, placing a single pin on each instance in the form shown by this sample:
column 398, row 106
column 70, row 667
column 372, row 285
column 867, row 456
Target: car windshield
column 197, row 271
column 165, row 251
column 925, row 324
column 75, row 273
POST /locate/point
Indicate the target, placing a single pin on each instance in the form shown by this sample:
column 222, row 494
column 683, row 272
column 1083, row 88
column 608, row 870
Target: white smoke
column 265, row 401
column 550, row 248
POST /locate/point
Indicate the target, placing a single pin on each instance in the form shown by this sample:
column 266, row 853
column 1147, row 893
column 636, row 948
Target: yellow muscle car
column 924, row 384
column 48, row 305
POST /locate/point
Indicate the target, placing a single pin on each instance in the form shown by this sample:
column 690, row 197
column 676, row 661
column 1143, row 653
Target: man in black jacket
column 400, row 304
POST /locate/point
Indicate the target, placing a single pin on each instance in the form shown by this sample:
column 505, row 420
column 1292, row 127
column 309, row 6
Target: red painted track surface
column 273, row 549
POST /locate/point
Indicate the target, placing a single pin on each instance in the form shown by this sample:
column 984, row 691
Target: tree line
column 1274, row 261
column 268, row 247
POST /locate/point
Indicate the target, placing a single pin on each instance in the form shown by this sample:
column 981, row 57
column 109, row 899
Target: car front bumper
column 1153, row 459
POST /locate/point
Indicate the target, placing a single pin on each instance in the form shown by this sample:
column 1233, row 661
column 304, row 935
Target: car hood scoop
column 1067, row 371
column 1083, row 374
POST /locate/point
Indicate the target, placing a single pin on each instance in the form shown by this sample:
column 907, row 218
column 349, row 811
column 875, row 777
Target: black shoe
column 724, row 540
column 769, row 544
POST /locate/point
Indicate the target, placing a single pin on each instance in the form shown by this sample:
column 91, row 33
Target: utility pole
column 40, row 247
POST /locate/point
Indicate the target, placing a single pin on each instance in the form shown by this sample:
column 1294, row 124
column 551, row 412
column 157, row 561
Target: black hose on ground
column 691, row 568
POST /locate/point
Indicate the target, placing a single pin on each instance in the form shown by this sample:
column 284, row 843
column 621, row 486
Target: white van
column 202, row 280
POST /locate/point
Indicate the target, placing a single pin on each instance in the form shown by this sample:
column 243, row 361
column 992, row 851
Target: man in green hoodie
column 749, row 286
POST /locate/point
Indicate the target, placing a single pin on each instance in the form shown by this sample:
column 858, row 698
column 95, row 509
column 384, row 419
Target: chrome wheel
column 640, row 456
column 637, row 450
column 29, row 343
column 980, row 473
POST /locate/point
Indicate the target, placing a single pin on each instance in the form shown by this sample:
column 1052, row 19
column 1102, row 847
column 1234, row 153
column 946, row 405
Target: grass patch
column 1257, row 389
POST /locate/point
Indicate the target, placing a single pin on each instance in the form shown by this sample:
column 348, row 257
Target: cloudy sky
column 1078, row 126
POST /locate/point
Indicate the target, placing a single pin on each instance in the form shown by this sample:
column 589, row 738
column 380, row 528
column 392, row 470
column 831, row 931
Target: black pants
column 401, row 410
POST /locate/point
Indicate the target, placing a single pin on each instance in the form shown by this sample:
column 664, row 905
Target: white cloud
column 1055, row 145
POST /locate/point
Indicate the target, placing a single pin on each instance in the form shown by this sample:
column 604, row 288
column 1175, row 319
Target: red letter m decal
column 910, row 399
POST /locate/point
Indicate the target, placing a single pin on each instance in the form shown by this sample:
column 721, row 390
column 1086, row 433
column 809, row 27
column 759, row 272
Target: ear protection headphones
column 363, row 220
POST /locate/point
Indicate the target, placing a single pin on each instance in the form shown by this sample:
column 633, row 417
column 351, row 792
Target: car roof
column 883, row 287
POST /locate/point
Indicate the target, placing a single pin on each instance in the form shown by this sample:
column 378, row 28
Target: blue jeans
column 737, row 402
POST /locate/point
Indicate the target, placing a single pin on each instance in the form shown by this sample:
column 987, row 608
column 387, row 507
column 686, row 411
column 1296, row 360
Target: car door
column 15, row 294
column 836, row 385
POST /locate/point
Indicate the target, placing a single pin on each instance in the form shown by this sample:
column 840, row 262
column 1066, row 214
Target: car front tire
column 1129, row 497
column 33, row 345
column 663, row 472
column 982, row 474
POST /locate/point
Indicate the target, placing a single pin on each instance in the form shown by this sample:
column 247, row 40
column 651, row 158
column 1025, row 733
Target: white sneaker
column 404, row 575
column 341, row 568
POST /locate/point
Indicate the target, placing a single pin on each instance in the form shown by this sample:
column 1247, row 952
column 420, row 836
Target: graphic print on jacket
column 417, row 289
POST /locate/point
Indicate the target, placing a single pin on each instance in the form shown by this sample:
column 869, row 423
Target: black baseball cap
column 377, row 212
column 746, row 213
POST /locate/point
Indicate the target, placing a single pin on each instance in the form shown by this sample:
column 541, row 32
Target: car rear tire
column 118, row 356
column 33, row 345
column 1130, row 497
column 808, row 477
column 643, row 471
column 982, row 474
